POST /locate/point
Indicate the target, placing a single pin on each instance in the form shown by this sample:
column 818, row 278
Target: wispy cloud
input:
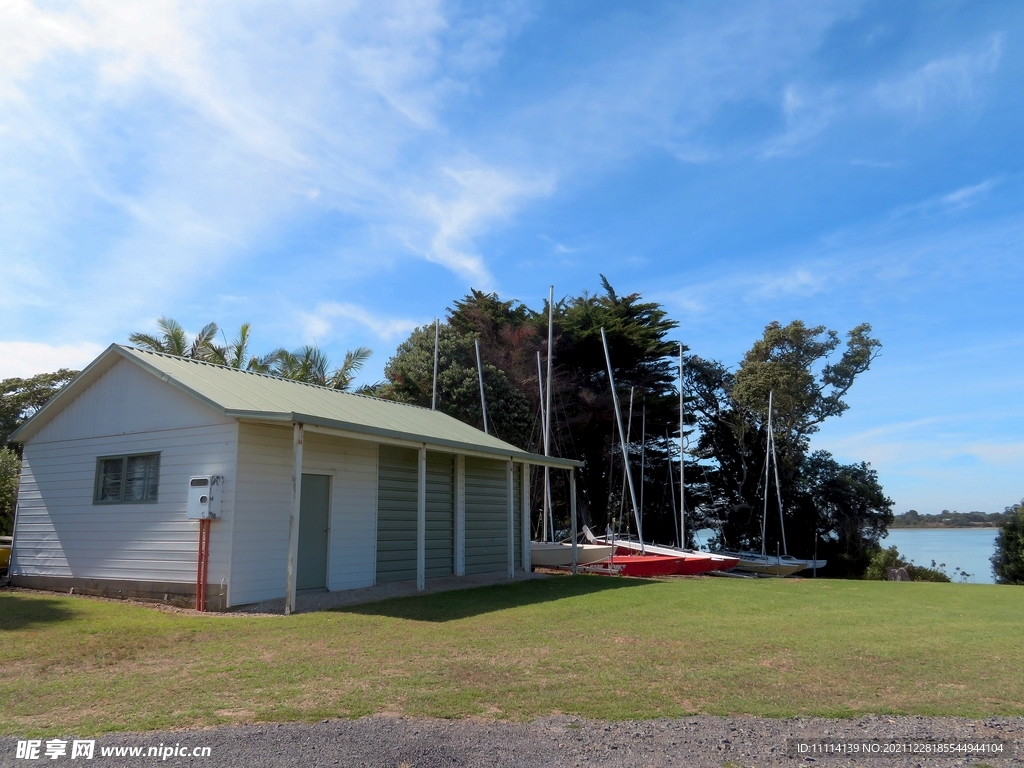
column 236, row 121
column 944, row 81
column 949, row 202
column 319, row 324
column 477, row 198
column 807, row 116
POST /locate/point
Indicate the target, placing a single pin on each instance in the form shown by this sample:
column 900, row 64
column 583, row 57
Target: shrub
column 884, row 559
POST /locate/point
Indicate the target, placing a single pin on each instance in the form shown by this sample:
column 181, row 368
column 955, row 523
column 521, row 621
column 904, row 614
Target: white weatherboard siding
column 262, row 507
column 353, row 467
column 60, row 532
column 259, row 560
column 127, row 400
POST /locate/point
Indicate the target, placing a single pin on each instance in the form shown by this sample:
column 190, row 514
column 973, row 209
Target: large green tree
column 839, row 510
column 19, row 401
column 21, row 398
column 1008, row 560
column 511, row 335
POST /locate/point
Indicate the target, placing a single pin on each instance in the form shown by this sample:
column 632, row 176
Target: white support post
column 421, row 521
column 572, row 514
column 509, row 481
column 293, row 521
column 460, row 515
column 524, row 528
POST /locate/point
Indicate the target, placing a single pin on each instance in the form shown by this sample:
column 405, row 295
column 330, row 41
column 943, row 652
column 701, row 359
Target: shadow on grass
column 463, row 603
column 20, row 612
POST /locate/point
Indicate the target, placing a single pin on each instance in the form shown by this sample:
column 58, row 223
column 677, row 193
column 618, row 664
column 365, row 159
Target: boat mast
column 622, row 439
column 543, row 428
column 682, row 459
column 625, row 467
column 672, row 486
column 778, row 491
column 767, row 469
column 547, row 412
column 643, row 454
column 480, row 373
column 433, row 389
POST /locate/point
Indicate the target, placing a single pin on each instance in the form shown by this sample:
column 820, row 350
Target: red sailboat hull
column 647, row 565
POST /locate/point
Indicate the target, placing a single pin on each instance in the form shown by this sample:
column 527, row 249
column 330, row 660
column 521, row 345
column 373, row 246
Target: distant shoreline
column 943, row 527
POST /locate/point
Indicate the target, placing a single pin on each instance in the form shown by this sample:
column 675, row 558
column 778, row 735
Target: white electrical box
column 204, row 497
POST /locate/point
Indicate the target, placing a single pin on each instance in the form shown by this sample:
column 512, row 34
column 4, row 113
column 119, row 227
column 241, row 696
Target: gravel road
column 717, row 742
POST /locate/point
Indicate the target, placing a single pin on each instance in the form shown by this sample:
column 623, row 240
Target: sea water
column 968, row 549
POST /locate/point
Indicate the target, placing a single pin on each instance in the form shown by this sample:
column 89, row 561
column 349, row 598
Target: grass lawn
column 591, row 646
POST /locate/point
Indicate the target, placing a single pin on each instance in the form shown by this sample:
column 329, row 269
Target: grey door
column 314, row 521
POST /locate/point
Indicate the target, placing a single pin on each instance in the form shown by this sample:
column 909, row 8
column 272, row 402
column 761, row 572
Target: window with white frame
column 127, row 479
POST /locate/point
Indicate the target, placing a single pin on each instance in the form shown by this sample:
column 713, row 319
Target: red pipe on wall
column 204, row 561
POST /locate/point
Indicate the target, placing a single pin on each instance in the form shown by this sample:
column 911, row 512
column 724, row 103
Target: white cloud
column 806, row 117
column 478, row 197
column 229, row 120
column 745, row 287
column 319, row 325
column 950, row 80
column 968, row 196
column 947, row 203
column 21, row 359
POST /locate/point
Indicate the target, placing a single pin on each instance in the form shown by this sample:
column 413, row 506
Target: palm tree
column 173, row 340
column 310, row 365
column 236, row 354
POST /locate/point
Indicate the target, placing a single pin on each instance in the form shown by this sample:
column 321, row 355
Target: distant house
column 387, row 491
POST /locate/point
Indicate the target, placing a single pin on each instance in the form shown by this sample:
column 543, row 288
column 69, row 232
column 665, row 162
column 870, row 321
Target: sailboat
column 762, row 563
column 550, row 553
column 634, row 557
column 692, row 562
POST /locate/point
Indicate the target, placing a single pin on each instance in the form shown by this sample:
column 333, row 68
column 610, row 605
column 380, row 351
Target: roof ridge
column 270, row 376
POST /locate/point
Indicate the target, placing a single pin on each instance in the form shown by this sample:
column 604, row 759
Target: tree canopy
column 19, row 401
column 838, row 510
column 1008, row 560
column 511, row 335
column 21, row 398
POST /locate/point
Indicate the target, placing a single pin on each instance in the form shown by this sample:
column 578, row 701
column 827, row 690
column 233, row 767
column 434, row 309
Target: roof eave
column 409, row 437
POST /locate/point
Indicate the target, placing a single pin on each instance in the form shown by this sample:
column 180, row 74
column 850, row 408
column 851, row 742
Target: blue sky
column 340, row 172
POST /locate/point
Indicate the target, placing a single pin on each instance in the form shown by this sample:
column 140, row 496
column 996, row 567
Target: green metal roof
column 261, row 398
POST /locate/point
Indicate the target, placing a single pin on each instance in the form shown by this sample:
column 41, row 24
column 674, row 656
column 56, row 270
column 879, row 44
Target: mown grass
column 590, row 646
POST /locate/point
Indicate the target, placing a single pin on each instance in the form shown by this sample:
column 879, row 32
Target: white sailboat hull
column 767, row 565
column 552, row 555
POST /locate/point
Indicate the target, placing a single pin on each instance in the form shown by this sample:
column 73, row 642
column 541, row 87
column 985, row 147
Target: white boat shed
column 319, row 489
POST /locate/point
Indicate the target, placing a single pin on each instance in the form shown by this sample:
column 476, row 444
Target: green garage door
column 486, row 516
column 440, row 514
column 517, row 506
column 396, row 514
